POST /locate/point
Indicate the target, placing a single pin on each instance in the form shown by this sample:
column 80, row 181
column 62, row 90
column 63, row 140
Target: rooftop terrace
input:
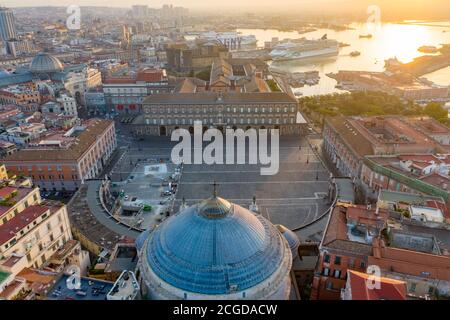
column 90, row 289
column 4, row 276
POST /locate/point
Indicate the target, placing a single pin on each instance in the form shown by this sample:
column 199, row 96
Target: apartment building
column 20, row 95
column 64, row 160
column 416, row 173
column 348, row 140
column 364, row 239
column 126, row 94
column 31, row 227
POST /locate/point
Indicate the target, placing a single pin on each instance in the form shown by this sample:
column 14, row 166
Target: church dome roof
column 45, row 63
column 4, row 73
column 215, row 247
column 291, row 238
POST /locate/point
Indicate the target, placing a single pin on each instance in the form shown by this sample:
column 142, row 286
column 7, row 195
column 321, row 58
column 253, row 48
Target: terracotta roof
column 86, row 139
column 256, row 85
column 22, row 192
column 119, row 80
column 10, row 289
column 439, row 205
column 6, row 191
column 31, row 276
column 189, row 85
column 145, row 75
column 9, row 229
column 336, row 237
column 437, row 180
column 337, row 226
column 425, row 158
column 150, row 75
column 213, row 98
column 351, row 136
column 366, row 216
column 11, row 261
column 221, row 71
column 389, row 289
column 410, row 262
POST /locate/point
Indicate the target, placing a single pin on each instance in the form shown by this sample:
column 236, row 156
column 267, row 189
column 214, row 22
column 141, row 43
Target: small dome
column 45, row 63
column 291, row 238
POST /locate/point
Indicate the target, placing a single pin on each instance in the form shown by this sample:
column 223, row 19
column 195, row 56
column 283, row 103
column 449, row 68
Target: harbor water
column 388, row 41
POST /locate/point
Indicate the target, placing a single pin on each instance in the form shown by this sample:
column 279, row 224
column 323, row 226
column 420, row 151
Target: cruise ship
column 304, row 48
column 232, row 40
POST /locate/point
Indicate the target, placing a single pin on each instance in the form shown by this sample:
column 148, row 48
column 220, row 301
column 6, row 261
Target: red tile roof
column 410, row 262
column 427, row 158
column 365, row 215
column 11, row 261
column 9, row 229
column 389, row 289
column 438, row 180
column 119, row 81
column 146, row 75
column 32, row 276
column 6, row 191
column 439, row 205
column 150, row 75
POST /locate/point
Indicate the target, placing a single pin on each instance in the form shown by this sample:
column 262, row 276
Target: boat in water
column 367, row 36
column 428, row 49
column 303, row 48
column 355, row 53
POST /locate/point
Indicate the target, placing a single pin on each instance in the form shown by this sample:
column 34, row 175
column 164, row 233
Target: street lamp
column 317, row 171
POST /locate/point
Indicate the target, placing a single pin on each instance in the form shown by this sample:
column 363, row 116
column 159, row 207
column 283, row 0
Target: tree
column 436, row 111
column 204, row 74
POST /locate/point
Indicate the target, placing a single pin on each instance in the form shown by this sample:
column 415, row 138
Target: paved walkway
column 97, row 210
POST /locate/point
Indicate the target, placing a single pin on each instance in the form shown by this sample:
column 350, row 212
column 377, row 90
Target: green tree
column 204, row 74
column 436, row 111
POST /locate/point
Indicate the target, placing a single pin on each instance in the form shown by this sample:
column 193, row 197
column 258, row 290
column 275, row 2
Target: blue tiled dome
column 139, row 243
column 4, row 73
column 45, row 63
column 291, row 238
column 215, row 247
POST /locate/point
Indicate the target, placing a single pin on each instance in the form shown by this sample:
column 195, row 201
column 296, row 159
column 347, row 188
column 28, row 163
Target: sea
column 389, row 40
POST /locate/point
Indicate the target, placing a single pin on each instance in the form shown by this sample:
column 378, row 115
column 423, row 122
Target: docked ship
column 304, row 48
column 428, row 49
column 232, row 40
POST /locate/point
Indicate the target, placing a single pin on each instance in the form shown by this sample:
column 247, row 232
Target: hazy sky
column 209, row 3
column 442, row 7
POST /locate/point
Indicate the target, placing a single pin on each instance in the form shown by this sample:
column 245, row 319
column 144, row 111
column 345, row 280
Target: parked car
column 166, row 193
